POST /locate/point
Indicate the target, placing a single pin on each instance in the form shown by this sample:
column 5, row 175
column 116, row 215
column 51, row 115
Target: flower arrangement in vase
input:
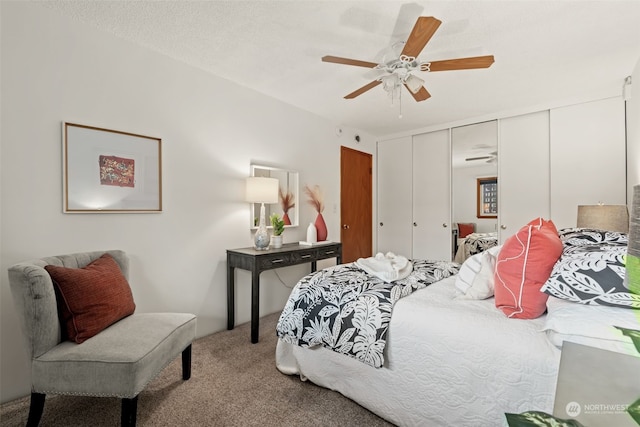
column 286, row 202
column 278, row 228
column 316, row 200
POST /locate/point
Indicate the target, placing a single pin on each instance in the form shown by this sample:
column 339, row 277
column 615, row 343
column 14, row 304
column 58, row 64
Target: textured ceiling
column 545, row 52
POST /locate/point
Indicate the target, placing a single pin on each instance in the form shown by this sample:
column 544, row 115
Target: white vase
column 276, row 242
column 312, row 233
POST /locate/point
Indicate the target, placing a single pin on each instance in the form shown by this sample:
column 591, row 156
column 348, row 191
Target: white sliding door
column 432, row 196
column 588, row 163
column 394, row 197
column 523, row 171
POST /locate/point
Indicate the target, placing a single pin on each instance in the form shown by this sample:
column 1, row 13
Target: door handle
column 503, row 227
column 381, row 224
column 345, row 227
column 444, row 224
column 415, row 224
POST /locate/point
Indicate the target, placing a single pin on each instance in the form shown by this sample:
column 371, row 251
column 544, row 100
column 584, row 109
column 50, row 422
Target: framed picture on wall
column 108, row 171
column 487, row 204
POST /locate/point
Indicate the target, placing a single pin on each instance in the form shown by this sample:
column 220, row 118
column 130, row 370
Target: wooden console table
column 259, row 261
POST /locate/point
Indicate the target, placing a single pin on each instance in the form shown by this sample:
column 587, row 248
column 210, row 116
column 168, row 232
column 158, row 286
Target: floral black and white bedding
column 475, row 243
column 348, row 310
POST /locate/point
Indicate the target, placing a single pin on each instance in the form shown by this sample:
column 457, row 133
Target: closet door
column 431, row 196
column 588, row 164
column 394, row 199
column 523, row 171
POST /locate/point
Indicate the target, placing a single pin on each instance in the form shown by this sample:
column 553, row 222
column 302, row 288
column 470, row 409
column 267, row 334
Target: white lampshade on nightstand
column 604, row 217
column 262, row 190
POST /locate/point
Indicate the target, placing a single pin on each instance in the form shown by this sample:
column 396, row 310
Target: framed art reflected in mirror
column 487, row 203
column 288, row 198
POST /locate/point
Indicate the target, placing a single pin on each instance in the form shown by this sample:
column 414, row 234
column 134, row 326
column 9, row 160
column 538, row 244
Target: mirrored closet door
column 474, row 183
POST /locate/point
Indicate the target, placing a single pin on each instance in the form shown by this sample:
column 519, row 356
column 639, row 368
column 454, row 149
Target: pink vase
column 286, row 219
column 321, row 227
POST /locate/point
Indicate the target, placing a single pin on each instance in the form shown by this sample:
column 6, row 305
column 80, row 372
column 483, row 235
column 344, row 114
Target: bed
column 450, row 360
column 474, row 243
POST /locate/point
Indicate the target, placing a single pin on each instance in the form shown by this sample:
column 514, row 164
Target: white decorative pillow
column 468, row 271
column 590, row 325
column 477, row 281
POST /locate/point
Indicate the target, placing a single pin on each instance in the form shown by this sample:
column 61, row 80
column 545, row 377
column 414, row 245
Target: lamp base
column 261, row 238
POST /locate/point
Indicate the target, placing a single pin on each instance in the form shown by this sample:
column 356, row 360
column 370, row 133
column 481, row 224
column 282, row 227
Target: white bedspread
column 448, row 363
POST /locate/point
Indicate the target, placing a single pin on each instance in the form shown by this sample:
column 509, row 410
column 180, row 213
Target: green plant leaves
column 634, row 411
column 633, row 334
column 277, row 223
column 539, row 419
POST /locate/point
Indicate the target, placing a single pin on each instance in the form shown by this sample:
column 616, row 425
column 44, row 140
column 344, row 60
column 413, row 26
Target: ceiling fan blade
column 363, row 89
column 347, row 61
column 422, row 32
column 462, row 63
column 420, row 95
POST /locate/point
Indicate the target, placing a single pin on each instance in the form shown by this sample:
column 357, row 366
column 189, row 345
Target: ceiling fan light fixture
column 414, row 83
column 390, row 82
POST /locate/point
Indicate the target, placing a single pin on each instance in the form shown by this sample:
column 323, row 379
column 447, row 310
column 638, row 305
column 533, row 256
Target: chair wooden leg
column 186, row 363
column 129, row 410
column 35, row 409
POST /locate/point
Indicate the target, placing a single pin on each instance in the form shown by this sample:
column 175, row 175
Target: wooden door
column 394, row 199
column 356, row 204
column 431, row 196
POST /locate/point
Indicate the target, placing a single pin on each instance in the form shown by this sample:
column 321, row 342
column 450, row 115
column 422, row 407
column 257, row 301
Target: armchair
column 118, row 361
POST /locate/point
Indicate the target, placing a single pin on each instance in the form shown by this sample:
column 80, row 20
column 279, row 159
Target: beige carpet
column 233, row 383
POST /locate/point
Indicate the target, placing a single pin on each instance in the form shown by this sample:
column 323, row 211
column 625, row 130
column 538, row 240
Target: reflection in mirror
column 474, row 154
column 287, row 207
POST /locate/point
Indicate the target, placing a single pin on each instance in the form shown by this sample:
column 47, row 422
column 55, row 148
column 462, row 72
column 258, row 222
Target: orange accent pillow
column 91, row 298
column 465, row 229
column 524, row 264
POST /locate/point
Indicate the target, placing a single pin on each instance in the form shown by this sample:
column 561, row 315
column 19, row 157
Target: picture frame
column 487, row 197
column 110, row 171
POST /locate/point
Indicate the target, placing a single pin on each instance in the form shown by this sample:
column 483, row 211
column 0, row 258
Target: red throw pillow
column 91, row 298
column 465, row 229
column 524, row 264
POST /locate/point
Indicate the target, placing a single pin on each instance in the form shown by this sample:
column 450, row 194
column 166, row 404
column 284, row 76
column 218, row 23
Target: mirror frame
column 291, row 179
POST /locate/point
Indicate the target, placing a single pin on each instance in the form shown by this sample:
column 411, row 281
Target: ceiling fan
column 490, row 158
column 400, row 70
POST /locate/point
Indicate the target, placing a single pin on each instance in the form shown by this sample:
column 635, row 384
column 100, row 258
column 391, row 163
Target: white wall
column 633, row 135
column 54, row 70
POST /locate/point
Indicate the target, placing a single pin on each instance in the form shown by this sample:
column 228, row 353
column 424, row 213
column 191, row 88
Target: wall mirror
column 288, row 200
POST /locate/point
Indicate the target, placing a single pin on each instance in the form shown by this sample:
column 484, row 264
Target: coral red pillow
column 91, row 298
column 465, row 229
column 524, row 264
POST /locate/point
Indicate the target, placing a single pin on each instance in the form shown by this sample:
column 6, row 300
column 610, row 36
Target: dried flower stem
column 315, row 197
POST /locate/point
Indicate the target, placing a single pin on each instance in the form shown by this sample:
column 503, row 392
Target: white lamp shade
column 262, row 190
column 604, row 217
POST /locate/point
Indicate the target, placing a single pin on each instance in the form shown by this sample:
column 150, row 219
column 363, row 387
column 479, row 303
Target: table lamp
column 262, row 190
column 604, row 217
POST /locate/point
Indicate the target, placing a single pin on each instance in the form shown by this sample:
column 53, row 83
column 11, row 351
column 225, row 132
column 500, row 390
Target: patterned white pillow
column 475, row 279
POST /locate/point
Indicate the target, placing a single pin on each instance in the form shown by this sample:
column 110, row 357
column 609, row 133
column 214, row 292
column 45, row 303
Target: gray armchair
column 118, row 362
